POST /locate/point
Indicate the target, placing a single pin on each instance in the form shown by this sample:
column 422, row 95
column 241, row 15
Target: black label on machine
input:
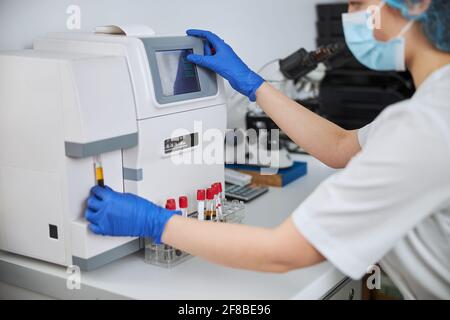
column 180, row 143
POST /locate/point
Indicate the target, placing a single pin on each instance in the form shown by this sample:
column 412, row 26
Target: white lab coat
column 392, row 202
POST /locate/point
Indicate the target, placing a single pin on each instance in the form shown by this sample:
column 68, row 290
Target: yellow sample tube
column 99, row 178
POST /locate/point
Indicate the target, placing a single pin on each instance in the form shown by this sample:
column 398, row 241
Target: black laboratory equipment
column 350, row 95
column 302, row 62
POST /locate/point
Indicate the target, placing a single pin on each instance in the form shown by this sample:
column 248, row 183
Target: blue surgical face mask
column 374, row 54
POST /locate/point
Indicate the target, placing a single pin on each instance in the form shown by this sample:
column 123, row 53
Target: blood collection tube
column 99, row 178
column 201, row 196
column 219, row 185
column 184, row 205
column 219, row 201
column 210, row 205
column 171, row 205
column 216, row 201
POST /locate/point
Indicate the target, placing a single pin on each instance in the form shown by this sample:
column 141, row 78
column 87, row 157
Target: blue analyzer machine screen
column 177, row 74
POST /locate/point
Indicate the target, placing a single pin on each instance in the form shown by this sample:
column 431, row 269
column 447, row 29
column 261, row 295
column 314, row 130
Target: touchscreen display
column 177, row 74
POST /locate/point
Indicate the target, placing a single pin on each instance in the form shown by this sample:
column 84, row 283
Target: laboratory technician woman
column 391, row 203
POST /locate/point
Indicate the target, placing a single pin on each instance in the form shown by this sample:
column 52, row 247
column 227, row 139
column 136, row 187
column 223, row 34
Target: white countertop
column 131, row 278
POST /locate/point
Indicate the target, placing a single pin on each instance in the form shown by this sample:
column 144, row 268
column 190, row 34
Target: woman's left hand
column 125, row 215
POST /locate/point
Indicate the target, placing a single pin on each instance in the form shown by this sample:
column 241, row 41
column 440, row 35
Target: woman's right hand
column 220, row 58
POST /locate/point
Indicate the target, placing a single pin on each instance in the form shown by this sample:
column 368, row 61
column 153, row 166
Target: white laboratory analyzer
column 76, row 97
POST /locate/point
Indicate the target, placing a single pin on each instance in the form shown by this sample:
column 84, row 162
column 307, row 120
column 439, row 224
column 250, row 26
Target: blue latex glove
column 125, row 215
column 224, row 61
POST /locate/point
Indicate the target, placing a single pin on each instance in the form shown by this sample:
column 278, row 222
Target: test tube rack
column 167, row 257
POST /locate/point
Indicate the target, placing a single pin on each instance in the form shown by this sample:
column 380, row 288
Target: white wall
column 259, row 30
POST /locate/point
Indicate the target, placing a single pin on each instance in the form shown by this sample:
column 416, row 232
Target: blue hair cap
column 435, row 21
